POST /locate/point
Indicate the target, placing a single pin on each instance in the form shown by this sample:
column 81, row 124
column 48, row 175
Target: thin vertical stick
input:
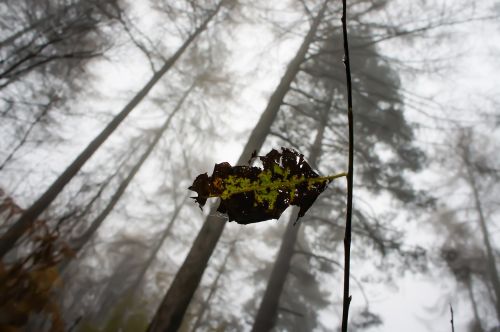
column 451, row 321
column 347, row 237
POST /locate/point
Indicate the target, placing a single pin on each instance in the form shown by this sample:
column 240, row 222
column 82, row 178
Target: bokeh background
column 155, row 92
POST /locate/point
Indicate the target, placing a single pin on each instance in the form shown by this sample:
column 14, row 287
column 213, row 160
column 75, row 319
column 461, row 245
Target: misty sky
column 457, row 88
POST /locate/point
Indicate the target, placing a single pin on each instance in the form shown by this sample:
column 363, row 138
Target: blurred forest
column 109, row 109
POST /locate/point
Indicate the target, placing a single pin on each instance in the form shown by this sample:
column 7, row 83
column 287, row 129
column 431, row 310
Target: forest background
column 113, row 241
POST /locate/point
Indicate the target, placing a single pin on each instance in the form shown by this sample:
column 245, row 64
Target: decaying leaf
column 251, row 194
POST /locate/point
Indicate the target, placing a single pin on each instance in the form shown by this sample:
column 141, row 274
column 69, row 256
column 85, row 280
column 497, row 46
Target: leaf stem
column 277, row 184
column 333, row 177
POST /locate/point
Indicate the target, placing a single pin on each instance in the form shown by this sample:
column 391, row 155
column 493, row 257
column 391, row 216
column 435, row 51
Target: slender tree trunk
column 171, row 311
column 90, row 204
column 213, row 287
column 76, row 214
column 96, row 223
column 158, row 246
column 268, row 309
column 477, row 320
column 131, row 291
column 9, row 239
column 39, row 322
column 492, row 267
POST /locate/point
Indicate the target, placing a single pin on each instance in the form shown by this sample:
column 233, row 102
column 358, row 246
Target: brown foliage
column 27, row 282
column 8, row 205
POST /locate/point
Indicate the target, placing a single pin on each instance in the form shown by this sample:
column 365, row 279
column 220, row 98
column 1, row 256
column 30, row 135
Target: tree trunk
column 268, row 309
column 477, row 320
column 158, row 246
column 205, row 305
column 492, row 267
column 129, row 295
column 173, row 307
column 96, row 223
column 9, row 239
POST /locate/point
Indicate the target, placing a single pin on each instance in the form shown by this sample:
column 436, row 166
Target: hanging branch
column 347, row 237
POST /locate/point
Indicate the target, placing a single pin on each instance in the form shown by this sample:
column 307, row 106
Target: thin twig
column 451, row 321
column 347, row 238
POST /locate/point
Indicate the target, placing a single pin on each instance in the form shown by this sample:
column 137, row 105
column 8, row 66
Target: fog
column 110, row 110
